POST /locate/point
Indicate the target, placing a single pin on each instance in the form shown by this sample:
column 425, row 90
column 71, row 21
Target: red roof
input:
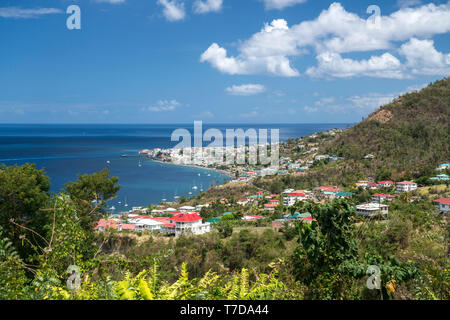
column 128, row 226
column 168, row 225
column 327, row 189
column 270, row 205
column 186, row 217
column 406, row 182
column 384, row 182
column 443, row 201
column 296, row 195
column 380, row 195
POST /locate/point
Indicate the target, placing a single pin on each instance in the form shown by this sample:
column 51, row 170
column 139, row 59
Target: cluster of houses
column 182, row 221
column 400, row 187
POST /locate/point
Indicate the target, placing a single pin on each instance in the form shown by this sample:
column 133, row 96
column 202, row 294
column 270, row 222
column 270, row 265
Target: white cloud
column 334, row 32
column 173, row 10
column 280, row 4
column 163, row 105
column 269, row 56
column 246, row 89
column 206, row 6
column 423, row 58
column 332, row 64
column 17, row 12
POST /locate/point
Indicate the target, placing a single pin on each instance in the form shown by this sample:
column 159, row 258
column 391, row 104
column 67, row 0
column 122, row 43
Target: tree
column 23, row 193
column 91, row 192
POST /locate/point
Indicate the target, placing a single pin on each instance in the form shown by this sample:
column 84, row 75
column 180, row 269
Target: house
column 248, row 217
column 443, row 166
column 369, row 156
column 343, row 194
column 270, row 206
column 372, row 209
column 103, row 224
column 293, row 198
column 186, row 223
column 405, row 186
column 440, row 177
column 378, row 198
column 362, row 184
column 242, row 202
column 385, row 184
column 186, row 208
column 442, row 204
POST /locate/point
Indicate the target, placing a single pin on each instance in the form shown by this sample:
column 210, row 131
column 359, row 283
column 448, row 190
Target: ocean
column 66, row 150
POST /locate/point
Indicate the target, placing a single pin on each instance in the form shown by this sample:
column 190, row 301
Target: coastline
column 224, row 172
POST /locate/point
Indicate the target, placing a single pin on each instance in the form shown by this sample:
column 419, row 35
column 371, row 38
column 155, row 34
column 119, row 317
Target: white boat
column 126, row 204
column 108, row 162
column 190, row 192
column 194, row 187
column 209, row 174
column 112, row 208
column 199, row 174
column 140, row 164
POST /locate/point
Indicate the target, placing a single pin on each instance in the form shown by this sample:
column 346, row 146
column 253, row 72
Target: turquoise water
column 67, row 150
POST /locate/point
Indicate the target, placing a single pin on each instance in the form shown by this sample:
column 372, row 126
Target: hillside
column 411, row 133
column 408, row 137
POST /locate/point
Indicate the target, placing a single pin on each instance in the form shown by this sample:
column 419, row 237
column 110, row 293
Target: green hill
column 409, row 134
column 407, row 137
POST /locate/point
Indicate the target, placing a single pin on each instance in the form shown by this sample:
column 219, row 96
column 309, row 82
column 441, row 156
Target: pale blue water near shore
column 67, row 150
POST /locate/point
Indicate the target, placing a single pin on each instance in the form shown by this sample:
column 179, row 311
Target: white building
column 442, row 204
column 189, row 223
column 405, row 186
column 293, row 198
column 372, row 209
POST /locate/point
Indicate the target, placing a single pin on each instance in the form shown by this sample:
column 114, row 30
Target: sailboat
column 140, row 164
column 112, row 208
column 209, row 174
column 126, row 204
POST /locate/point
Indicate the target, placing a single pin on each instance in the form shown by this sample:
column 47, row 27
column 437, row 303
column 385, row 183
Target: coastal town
column 191, row 216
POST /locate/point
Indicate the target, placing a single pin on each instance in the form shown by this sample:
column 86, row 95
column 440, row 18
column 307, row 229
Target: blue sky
column 243, row 61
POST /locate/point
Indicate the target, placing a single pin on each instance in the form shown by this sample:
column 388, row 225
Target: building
column 293, row 198
column 372, row 209
column 270, row 206
column 442, row 204
column 443, row 166
column 380, row 197
column 385, row 184
column 440, row 177
column 189, row 223
column 405, row 186
column 248, row 217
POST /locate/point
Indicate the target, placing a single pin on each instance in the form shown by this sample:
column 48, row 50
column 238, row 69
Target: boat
column 190, row 192
column 112, row 208
column 108, row 162
column 124, row 155
column 126, row 204
column 194, row 187
column 209, row 174
column 140, row 164
column 199, row 174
